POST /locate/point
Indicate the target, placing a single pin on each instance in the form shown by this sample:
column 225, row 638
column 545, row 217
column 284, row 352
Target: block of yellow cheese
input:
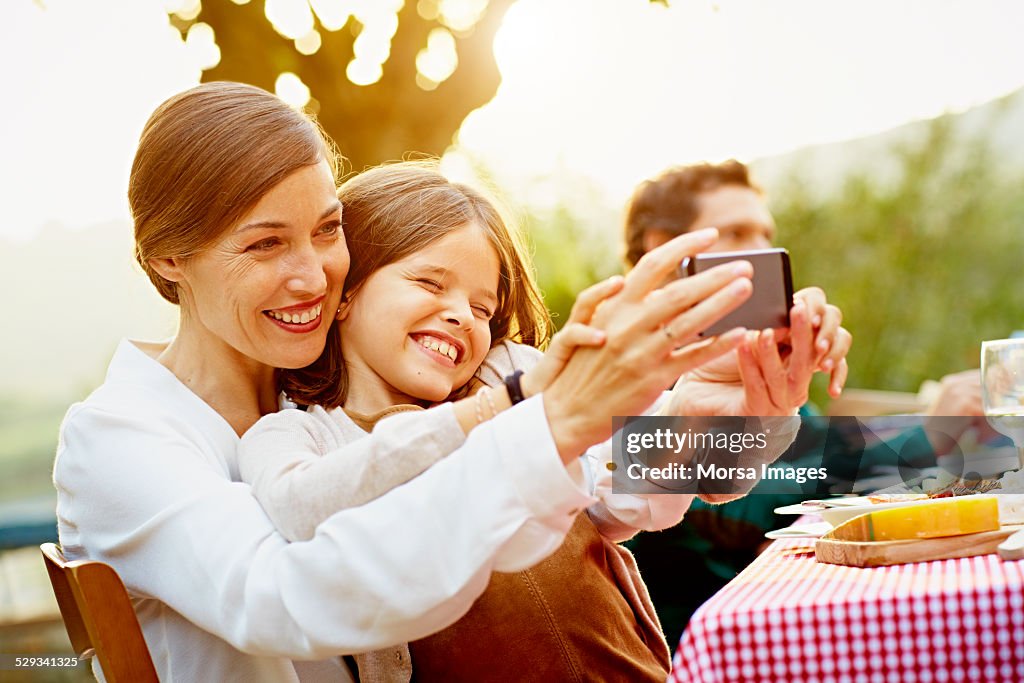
column 928, row 519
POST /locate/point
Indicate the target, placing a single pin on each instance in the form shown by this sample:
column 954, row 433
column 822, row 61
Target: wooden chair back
column 99, row 617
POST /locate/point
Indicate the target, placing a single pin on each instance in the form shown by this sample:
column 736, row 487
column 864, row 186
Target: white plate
column 808, row 530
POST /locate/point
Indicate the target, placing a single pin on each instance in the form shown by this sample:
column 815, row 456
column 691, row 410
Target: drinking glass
column 1002, row 389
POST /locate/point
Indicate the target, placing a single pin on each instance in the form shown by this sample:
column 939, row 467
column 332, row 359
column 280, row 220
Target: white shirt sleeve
column 619, row 516
column 140, row 490
column 304, row 466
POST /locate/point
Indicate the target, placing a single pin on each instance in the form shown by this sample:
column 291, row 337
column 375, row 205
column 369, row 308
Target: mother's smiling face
column 237, row 220
column 270, row 285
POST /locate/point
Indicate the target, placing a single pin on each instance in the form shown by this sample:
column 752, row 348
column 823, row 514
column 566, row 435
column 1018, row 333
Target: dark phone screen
column 769, row 305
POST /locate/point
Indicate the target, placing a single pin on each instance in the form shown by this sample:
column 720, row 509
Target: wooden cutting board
column 884, row 553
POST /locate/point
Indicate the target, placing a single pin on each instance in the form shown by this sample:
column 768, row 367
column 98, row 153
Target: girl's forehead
column 461, row 254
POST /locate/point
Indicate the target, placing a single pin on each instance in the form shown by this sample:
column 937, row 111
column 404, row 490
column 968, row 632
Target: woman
column 236, row 221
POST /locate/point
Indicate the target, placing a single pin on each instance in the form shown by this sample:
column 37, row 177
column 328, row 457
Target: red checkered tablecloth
column 789, row 619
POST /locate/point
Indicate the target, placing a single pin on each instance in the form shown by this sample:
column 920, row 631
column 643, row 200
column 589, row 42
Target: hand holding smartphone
column 768, row 306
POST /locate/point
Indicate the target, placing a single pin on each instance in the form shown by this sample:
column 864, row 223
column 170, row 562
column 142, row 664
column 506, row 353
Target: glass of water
column 1002, row 389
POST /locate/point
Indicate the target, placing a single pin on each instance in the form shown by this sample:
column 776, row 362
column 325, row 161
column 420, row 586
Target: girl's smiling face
column 418, row 328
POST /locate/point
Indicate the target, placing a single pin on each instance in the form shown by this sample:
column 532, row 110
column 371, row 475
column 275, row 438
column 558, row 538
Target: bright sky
column 80, row 80
column 613, row 90
column 624, row 88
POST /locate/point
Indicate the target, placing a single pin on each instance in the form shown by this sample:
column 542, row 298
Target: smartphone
column 768, row 306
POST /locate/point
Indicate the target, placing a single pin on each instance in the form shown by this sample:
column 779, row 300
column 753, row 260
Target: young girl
column 437, row 291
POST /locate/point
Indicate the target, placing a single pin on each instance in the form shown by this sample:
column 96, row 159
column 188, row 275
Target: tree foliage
column 372, row 123
column 384, row 121
column 924, row 268
column 570, row 254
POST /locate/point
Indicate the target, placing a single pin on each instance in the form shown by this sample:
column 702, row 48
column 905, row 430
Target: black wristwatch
column 515, row 388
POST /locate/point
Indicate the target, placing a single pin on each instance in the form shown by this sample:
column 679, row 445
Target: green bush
column 924, row 268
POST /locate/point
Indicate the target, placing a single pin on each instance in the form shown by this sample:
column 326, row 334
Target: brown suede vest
column 565, row 619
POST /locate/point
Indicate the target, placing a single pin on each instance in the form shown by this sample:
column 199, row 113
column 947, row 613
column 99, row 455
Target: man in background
column 685, row 565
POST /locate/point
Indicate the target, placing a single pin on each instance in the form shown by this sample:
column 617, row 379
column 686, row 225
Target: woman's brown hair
column 205, row 158
column 388, row 213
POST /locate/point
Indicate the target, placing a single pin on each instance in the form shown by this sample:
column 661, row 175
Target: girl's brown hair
column 205, row 158
column 394, row 210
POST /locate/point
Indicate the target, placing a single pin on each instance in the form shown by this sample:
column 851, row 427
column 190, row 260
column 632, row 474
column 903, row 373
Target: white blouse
column 147, row 481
